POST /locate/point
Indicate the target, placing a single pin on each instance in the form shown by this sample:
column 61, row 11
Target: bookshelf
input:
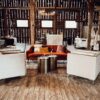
column 10, row 12
column 64, row 10
column 71, row 10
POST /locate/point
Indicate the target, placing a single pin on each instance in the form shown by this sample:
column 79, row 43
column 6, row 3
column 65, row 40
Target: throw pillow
column 37, row 47
column 59, row 48
column 44, row 49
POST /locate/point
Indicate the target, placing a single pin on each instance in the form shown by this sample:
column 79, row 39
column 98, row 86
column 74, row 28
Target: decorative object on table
column 9, row 40
column 80, row 42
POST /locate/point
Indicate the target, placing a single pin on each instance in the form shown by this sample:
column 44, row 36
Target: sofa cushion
column 44, row 49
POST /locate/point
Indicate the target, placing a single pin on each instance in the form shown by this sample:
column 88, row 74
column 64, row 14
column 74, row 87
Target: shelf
column 42, row 27
column 64, row 8
column 10, row 11
column 46, row 8
column 14, row 8
column 14, row 27
column 42, row 19
column 61, row 8
column 14, row 3
column 17, row 18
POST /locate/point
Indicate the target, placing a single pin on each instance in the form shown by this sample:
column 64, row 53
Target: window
column 70, row 24
column 47, row 23
column 22, row 23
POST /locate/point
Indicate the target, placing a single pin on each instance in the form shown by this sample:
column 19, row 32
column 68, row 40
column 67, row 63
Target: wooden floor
column 51, row 86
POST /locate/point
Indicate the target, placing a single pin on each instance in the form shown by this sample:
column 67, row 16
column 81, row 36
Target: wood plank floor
column 51, row 86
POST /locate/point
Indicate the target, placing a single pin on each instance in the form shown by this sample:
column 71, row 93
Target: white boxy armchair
column 84, row 64
column 12, row 65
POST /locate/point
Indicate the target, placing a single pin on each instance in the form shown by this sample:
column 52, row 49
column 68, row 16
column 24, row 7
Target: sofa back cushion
column 52, row 48
column 60, row 48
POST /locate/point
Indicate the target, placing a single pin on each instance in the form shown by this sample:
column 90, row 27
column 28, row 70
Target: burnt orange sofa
column 52, row 50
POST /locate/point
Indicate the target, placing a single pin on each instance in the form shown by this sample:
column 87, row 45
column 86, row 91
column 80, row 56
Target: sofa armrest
column 31, row 50
column 65, row 50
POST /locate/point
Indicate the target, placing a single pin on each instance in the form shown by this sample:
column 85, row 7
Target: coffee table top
column 48, row 53
column 43, row 57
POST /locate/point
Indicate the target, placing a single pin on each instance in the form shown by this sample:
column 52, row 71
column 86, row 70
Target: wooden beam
column 90, row 21
column 32, row 19
column 99, row 25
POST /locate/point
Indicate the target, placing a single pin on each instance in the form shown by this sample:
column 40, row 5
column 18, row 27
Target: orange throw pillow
column 44, row 49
